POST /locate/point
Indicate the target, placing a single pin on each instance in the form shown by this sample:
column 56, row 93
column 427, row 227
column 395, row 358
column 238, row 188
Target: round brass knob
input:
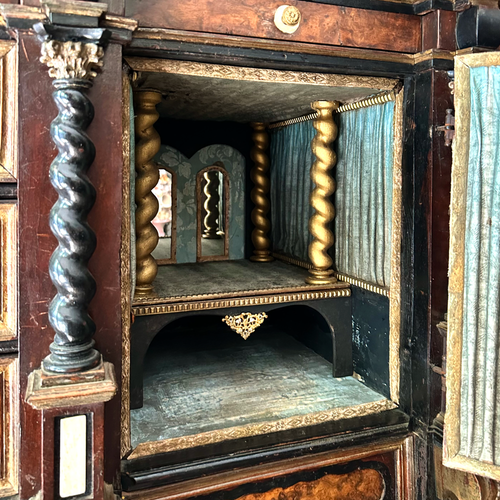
column 287, row 18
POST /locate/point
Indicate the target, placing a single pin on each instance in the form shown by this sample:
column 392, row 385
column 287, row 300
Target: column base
column 262, row 256
column 47, row 391
column 144, row 290
column 320, row 277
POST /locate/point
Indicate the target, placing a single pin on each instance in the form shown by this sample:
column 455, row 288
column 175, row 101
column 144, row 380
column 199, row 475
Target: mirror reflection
column 163, row 221
column 212, row 233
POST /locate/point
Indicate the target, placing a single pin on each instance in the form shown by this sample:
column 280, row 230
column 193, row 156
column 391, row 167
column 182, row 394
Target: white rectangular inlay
column 73, row 456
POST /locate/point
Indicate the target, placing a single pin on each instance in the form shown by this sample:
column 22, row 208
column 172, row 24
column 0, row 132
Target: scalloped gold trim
column 212, row 437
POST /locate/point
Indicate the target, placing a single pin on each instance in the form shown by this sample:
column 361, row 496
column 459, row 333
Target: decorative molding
column 147, row 310
column 396, row 239
column 366, row 103
column 9, row 426
column 292, row 260
column 259, row 194
column 8, row 111
column 363, row 284
column 44, row 397
column 74, row 8
column 321, row 272
column 8, row 262
column 245, row 323
column 72, row 60
column 125, row 268
column 296, row 422
column 256, row 74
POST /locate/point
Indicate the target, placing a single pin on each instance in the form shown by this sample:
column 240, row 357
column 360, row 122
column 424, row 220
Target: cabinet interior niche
column 196, row 381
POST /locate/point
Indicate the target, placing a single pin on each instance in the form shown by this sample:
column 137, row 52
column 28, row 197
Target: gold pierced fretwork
column 72, row 59
column 245, row 323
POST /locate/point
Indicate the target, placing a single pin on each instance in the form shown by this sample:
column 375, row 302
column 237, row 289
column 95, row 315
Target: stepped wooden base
column 57, row 391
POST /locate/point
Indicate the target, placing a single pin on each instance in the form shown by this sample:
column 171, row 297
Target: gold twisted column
column 324, row 211
column 147, row 145
column 211, row 205
column 259, row 193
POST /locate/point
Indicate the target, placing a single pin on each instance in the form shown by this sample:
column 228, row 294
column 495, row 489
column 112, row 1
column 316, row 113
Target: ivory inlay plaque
column 73, row 456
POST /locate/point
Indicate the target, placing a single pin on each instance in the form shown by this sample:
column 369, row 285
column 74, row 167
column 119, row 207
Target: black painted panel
column 370, row 333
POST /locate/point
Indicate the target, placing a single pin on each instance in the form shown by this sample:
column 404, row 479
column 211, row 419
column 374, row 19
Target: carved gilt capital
column 75, row 60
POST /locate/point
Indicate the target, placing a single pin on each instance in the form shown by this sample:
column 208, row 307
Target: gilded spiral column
column 147, row 145
column 211, row 205
column 324, row 211
column 259, row 193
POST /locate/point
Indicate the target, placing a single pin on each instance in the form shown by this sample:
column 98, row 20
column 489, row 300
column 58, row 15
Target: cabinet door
column 472, row 432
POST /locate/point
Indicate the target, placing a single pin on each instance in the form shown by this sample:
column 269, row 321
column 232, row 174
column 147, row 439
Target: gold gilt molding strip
column 363, row 284
column 395, row 283
column 238, row 302
column 225, row 72
column 342, row 277
column 363, row 103
column 212, row 437
column 292, row 260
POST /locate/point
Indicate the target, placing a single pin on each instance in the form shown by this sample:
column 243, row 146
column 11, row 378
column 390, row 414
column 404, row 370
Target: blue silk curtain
column 363, row 198
column 291, row 159
column 480, row 398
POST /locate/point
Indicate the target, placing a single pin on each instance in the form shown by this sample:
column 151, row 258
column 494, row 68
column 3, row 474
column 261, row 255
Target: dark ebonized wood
column 157, row 470
column 8, row 191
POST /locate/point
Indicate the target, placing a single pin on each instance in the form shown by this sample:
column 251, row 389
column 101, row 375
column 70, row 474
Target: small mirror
column 164, row 221
column 212, row 214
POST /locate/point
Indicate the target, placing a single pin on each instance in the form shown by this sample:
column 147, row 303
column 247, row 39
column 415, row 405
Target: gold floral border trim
column 395, row 284
column 125, row 256
column 257, row 74
column 238, row 302
column 451, row 448
column 213, row 437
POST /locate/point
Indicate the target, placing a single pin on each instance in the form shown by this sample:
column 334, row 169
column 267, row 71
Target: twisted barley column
column 259, row 193
column 211, row 205
column 147, row 145
column 324, row 211
column 72, row 349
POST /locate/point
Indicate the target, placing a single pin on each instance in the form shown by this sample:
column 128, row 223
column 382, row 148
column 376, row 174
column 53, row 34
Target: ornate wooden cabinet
column 225, row 237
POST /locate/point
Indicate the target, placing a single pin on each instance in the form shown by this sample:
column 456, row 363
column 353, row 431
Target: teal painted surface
column 186, row 171
column 291, row 159
column 363, row 198
column 480, row 402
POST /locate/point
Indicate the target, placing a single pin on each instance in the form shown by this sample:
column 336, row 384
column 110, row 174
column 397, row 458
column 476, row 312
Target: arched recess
column 162, row 257
column 201, row 178
column 323, row 326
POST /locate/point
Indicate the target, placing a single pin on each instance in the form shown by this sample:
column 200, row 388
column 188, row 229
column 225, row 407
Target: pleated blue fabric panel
column 480, row 401
column 363, row 198
column 290, row 168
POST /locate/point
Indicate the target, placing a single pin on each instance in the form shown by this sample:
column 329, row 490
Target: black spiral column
column 72, row 64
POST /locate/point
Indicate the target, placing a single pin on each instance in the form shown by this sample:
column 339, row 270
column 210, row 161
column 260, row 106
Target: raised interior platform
column 201, row 388
column 229, row 277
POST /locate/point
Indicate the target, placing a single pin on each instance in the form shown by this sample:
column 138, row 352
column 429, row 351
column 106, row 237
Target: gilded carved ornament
column 72, row 59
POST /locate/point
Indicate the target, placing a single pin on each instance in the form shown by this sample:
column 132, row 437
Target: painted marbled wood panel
column 366, row 484
column 186, row 169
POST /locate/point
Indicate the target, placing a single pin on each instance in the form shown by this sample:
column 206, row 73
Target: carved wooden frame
column 8, row 426
column 451, row 445
column 8, row 111
column 8, row 267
